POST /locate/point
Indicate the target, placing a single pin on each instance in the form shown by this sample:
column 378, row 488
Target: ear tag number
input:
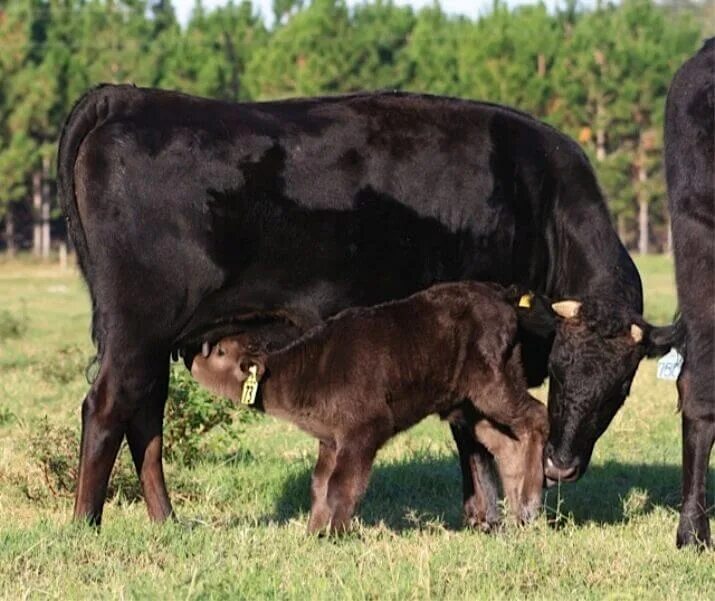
column 250, row 387
column 669, row 365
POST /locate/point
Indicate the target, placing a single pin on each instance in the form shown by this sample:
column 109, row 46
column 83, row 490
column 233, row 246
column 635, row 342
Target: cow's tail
column 91, row 111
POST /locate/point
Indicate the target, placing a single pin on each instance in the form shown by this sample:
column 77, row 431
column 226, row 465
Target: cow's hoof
column 694, row 532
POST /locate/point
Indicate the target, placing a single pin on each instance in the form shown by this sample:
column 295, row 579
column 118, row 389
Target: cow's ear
column 567, row 309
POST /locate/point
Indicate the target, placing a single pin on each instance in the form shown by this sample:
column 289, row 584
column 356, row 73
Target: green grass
column 243, row 509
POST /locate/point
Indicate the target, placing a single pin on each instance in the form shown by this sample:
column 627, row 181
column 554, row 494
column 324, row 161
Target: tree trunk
column 36, row 210
column 642, row 200
column 45, row 208
column 63, row 255
column 541, row 65
column 10, row 232
column 600, row 133
column 622, row 230
column 235, row 85
column 642, row 224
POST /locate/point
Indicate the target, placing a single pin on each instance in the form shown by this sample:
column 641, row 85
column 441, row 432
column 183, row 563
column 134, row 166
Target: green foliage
column 64, row 365
column 507, row 56
column 55, row 451
column 12, row 326
column 6, row 416
column 190, row 413
column 54, row 448
column 598, row 72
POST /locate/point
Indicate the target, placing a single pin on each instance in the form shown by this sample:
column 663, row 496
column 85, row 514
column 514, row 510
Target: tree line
column 600, row 74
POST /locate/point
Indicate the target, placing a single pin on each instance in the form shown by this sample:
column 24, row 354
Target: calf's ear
column 246, row 363
column 567, row 309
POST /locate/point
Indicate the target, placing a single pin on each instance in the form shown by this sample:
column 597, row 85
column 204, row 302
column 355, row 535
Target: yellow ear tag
column 250, row 387
column 525, row 300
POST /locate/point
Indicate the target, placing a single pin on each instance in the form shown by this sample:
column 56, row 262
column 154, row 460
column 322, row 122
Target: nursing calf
column 367, row 374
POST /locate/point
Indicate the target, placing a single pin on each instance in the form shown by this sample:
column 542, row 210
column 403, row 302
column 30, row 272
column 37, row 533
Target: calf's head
column 519, row 456
column 224, row 368
column 596, row 351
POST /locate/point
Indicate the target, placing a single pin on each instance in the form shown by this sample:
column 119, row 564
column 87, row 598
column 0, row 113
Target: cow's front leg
column 698, row 437
column 480, row 492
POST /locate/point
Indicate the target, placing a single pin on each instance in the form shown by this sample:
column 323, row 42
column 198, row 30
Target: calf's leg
column 349, row 478
column 480, row 494
column 319, row 510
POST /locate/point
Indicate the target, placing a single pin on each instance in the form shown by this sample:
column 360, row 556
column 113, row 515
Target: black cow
column 193, row 218
column 690, row 160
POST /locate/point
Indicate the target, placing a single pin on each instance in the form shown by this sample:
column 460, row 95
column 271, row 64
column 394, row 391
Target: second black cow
column 690, row 172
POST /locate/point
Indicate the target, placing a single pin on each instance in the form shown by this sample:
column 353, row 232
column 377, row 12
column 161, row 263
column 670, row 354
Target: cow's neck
column 586, row 259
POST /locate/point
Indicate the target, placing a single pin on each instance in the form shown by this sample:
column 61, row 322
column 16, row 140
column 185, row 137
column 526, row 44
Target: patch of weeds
column 55, row 451
column 635, row 503
column 6, row 416
column 64, row 365
column 12, row 326
column 191, row 413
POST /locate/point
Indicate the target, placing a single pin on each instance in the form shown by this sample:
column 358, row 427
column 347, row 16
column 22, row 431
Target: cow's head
column 596, row 351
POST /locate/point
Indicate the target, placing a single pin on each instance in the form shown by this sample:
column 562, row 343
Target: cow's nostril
column 556, row 473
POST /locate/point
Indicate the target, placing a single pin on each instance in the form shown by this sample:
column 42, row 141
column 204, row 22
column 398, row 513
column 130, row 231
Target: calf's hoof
column 319, row 522
column 529, row 512
column 477, row 518
column 482, row 523
column 694, row 532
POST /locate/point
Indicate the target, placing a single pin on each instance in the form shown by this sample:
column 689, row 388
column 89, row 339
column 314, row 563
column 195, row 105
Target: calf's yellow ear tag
column 525, row 300
column 250, row 387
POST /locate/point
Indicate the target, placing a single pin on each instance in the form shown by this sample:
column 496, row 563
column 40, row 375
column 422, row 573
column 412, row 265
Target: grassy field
column 243, row 506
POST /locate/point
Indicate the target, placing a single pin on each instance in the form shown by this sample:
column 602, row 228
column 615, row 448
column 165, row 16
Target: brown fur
column 369, row 373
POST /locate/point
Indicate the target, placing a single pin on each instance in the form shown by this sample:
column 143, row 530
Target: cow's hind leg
column 144, row 435
column 480, row 492
column 126, row 379
column 698, row 438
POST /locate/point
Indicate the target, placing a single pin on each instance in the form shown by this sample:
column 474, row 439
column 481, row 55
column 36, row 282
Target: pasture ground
column 243, row 506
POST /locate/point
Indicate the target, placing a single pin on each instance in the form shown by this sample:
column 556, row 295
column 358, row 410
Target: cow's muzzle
column 555, row 472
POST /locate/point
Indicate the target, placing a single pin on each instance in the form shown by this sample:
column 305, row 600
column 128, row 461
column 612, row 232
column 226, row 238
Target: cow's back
column 309, row 205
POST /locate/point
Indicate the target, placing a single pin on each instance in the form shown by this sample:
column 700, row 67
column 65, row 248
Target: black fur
column 689, row 161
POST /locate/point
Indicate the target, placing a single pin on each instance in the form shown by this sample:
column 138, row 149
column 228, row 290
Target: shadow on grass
column 415, row 493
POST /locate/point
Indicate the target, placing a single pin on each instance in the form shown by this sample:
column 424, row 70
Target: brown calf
column 367, row 374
